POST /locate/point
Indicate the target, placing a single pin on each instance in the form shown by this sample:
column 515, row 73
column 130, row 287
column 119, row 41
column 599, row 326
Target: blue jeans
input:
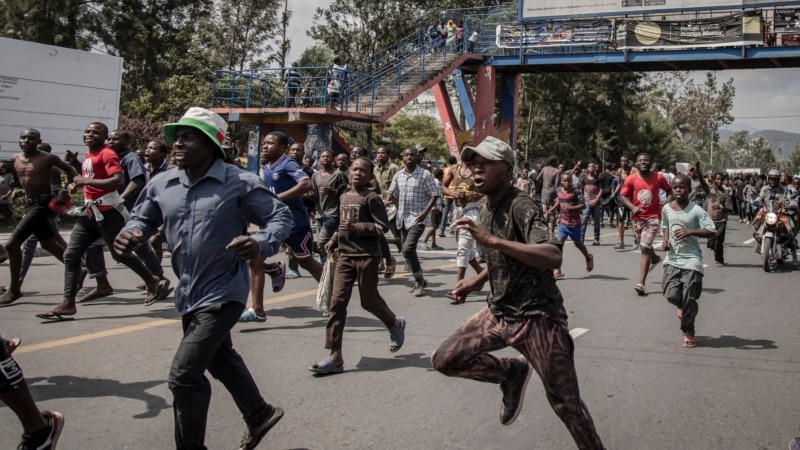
column 448, row 206
column 596, row 213
column 207, row 345
column 325, row 229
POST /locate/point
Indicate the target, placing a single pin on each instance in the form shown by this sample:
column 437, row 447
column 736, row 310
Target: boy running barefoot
column 571, row 202
column 362, row 222
column 683, row 223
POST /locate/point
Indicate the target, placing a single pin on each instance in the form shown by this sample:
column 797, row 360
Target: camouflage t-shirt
column 516, row 288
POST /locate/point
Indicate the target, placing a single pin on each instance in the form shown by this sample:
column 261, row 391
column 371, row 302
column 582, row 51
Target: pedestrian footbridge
column 488, row 70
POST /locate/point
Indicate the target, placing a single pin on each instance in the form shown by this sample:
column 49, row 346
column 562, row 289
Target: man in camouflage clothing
column 525, row 308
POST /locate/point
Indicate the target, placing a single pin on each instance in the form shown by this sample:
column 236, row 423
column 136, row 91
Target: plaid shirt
column 413, row 191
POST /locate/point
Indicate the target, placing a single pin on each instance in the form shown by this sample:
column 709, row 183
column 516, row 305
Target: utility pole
column 782, row 140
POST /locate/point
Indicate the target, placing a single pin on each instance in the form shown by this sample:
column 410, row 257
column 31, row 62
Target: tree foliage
column 578, row 116
column 793, row 164
column 412, row 129
column 142, row 130
column 750, row 153
column 63, row 23
column 356, row 30
column 696, row 111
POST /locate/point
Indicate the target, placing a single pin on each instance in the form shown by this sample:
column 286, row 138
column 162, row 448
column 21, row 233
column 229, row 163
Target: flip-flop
column 589, row 263
column 53, row 316
column 94, row 295
column 639, row 288
column 161, row 289
column 452, row 296
column 326, row 367
column 11, row 300
column 278, row 276
column 689, row 342
column 397, row 337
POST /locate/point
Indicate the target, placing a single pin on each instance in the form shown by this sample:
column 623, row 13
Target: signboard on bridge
column 558, row 33
column 735, row 30
column 551, row 9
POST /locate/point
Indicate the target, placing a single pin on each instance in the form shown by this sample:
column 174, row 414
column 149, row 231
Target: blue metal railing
column 389, row 75
column 375, row 87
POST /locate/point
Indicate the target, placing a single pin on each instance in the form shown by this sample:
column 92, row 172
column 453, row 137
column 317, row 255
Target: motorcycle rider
column 772, row 190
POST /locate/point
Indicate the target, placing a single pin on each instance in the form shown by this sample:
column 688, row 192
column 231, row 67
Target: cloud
column 766, row 98
column 302, row 20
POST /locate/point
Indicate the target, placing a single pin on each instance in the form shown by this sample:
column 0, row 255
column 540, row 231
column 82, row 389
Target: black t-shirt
column 604, row 180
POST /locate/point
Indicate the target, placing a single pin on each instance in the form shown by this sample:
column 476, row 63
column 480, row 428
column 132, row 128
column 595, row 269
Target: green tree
column 64, row 23
column 697, row 112
column 578, row 116
column 738, row 149
column 793, row 164
column 357, row 30
column 410, row 130
column 245, row 33
column 756, row 153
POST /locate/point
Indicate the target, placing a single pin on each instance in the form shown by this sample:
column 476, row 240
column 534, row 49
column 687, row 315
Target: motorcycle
column 776, row 240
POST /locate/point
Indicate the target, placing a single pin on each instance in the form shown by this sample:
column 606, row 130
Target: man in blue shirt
column 284, row 177
column 204, row 206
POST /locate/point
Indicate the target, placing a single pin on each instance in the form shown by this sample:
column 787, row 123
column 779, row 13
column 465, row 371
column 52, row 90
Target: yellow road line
column 91, row 336
column 161, row 322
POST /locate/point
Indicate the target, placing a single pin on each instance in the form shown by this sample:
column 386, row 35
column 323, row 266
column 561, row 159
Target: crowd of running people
column 348, row 211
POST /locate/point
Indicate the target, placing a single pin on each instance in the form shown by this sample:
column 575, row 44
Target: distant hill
column 777, row 138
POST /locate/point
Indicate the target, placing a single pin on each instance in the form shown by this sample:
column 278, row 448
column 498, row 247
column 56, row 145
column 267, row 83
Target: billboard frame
column 740, row 6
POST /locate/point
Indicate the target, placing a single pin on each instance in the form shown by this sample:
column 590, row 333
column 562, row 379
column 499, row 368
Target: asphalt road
column 107, row 369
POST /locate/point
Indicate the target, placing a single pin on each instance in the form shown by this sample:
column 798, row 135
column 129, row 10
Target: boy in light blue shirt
column 683, row 223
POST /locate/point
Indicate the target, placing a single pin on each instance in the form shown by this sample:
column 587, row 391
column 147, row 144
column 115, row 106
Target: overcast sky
column 765, row 98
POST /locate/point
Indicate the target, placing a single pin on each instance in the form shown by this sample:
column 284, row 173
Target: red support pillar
column 485, row 92
column 455, row 136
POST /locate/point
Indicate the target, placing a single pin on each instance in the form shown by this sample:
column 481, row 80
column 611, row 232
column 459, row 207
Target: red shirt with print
column 644, row 194
column 99, row 165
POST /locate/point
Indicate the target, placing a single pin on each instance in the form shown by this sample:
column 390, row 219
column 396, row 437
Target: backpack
column 433, row 33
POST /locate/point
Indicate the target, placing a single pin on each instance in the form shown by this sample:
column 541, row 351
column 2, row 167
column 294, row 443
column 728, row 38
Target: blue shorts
column 300, row 241
column 574, row 233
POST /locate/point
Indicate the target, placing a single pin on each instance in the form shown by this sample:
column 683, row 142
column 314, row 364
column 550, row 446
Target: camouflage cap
column 491, row 148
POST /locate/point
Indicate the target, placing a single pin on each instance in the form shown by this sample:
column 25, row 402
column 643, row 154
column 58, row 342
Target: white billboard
column 57, row 91
column 545, row 9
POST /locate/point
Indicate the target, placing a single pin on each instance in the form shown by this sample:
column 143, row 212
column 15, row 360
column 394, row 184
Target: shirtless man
column 33, row 169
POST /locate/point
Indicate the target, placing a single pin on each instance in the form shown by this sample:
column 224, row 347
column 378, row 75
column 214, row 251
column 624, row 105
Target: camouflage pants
column 546, row 344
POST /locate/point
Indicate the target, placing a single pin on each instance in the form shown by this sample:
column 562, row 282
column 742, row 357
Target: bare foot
column 96, row 293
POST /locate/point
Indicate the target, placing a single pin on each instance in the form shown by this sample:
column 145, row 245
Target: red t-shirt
column 99, row 166
column 644, row 194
